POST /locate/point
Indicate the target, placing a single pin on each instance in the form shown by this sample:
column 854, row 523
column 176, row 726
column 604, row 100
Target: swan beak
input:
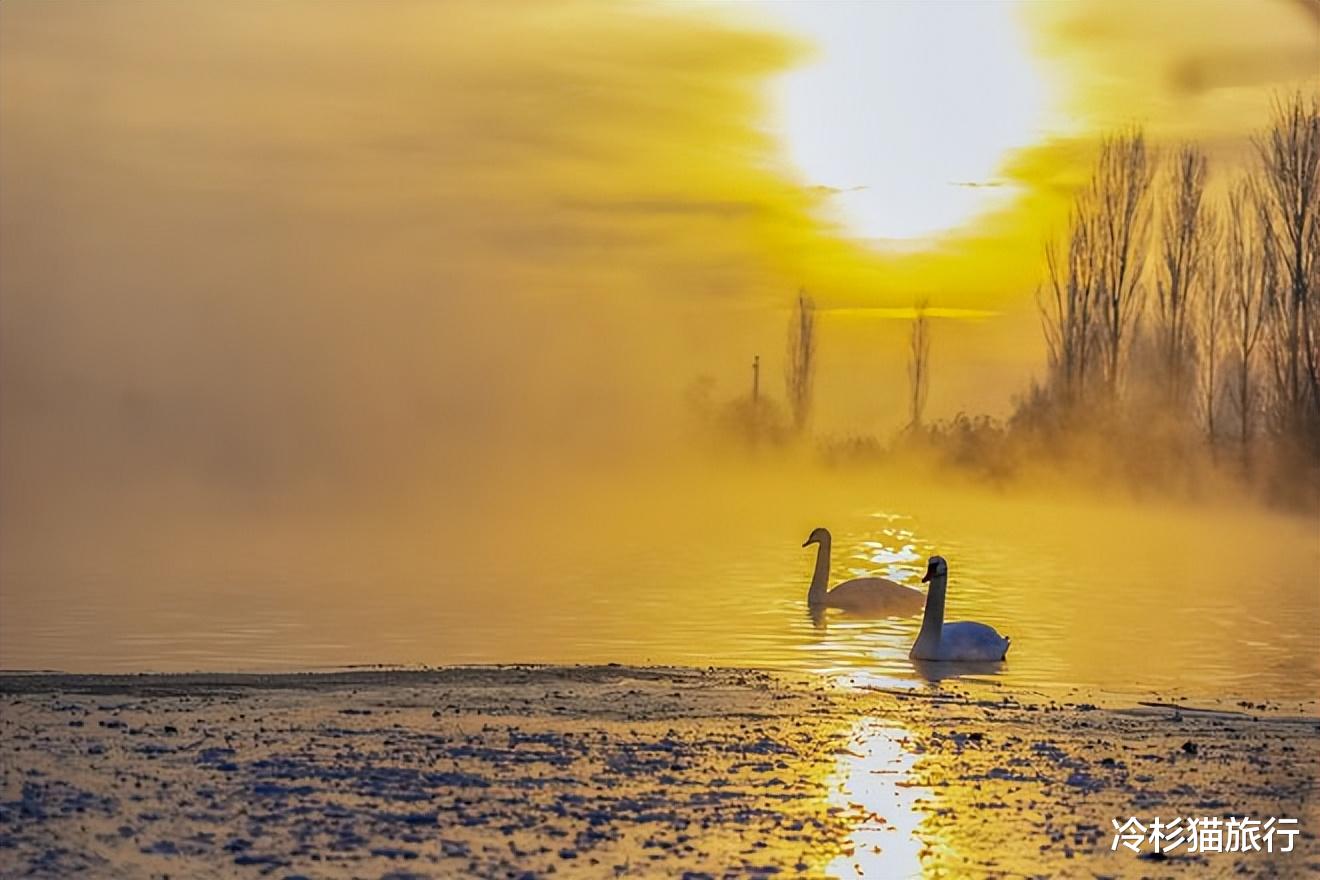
column 808, row 542
column 926, row 577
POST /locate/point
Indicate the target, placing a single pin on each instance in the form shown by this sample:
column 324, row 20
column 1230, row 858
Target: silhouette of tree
column 1187, row 226
column 1119, row 200
column 1066, row 306
column 918, row 364
column 1289, row 190
column 1249, row 280
column 800, row 366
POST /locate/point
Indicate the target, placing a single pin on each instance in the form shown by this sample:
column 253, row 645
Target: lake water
column 1121, row 597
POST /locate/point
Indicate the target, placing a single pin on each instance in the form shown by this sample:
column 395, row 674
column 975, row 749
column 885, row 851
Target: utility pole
column 756, row 378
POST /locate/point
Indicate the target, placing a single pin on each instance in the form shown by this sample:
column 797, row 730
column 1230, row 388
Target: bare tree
column 1119, row 199
column 1212, row 316
column 1289, row 153
column 800, row 367
column 918, row 364
column 1066, row 310
column 1094, row 295
column 1186, row 226
column 1249, row 280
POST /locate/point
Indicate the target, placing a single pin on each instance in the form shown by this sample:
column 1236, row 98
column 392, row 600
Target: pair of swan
column 937, row 640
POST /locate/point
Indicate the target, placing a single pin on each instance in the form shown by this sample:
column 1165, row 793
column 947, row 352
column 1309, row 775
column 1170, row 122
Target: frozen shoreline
column 617, row 771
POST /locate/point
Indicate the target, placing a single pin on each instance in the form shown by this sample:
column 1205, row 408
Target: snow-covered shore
column 618, row 771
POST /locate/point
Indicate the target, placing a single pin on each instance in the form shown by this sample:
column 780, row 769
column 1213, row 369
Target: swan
column 963, row 640
column 864, row 595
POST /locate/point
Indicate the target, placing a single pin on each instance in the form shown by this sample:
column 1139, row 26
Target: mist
column 262, row 258
column 399, row 311
column 267, row 263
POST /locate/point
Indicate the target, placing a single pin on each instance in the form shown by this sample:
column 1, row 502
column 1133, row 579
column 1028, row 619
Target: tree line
column 1165, row 304
column 1178, row 309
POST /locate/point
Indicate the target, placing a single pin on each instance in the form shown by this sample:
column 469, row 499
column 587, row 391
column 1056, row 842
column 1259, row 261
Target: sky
column 305, row 255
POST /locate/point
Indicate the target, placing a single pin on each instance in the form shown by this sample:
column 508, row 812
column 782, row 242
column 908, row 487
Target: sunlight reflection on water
column 871, row 787
column 1137, row 602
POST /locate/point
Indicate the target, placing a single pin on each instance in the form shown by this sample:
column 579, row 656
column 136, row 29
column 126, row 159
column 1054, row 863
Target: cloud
column 1186, row 68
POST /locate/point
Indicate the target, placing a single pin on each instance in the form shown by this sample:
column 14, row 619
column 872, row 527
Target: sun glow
column 907, row 111
column 871, row 787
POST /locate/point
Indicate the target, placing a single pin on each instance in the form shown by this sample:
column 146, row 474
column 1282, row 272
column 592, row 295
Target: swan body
column 962, row 640
column 864, row 595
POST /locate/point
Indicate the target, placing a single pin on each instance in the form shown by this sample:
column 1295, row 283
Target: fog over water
column 336, row 334
column 696, row 567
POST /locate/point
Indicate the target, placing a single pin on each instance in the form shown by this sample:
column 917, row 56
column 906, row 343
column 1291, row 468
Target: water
column 1120, row 597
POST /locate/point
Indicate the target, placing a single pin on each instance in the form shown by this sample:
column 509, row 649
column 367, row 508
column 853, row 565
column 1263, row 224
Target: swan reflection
column 934, row 670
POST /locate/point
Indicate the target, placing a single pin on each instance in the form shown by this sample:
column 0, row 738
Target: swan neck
column 932, row 623
column 820, row 578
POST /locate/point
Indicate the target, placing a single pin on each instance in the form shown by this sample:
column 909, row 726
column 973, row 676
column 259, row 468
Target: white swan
column 963, row 640
column 865, row 595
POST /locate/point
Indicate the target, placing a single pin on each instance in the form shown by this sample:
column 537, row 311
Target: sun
column 907, row 110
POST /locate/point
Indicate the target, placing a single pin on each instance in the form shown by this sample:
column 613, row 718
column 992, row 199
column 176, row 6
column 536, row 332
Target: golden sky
column 258, row 246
